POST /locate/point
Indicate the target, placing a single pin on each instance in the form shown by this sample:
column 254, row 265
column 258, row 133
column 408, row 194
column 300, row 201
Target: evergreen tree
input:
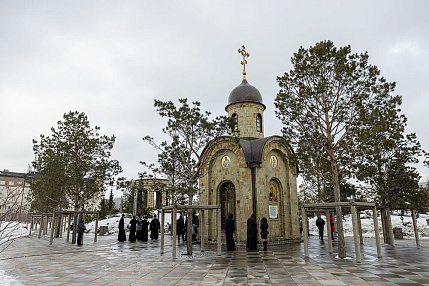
column 189, row 130
column 330, row 104
column 75, row 159
column 111, row 203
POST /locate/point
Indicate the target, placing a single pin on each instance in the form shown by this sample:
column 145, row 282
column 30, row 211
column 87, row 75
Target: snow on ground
column 368, row 225
column 14, row 230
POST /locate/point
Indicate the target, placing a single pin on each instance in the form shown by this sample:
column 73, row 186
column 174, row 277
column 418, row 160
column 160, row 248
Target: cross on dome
column 245, row 55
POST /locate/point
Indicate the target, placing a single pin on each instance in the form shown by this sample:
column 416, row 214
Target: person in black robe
column 132, row 235
column 229, row 231
column 320, row 223
column 121, row 236
column 252, row 233
column 145, row 228
column 180, row 229
column 154, row 228
column 139, row 229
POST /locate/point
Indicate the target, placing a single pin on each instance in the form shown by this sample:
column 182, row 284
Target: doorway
column 228, row 202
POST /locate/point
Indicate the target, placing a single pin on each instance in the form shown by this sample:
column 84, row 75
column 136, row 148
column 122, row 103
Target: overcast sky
column 111, row 59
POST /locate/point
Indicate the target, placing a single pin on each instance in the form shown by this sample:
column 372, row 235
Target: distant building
column 14, row 192
column 15, row 200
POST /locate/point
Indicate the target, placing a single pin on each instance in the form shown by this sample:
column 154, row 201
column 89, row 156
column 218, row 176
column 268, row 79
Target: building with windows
column 14, row 191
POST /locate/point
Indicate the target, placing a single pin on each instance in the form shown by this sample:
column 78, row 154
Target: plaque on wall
column 273, row 211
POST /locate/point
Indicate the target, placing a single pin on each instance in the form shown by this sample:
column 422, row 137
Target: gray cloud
column 112, row 59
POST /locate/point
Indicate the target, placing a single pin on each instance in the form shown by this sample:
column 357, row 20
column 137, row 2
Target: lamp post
column 135, row 198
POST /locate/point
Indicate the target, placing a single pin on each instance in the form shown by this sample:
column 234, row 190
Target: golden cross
column 245, row 55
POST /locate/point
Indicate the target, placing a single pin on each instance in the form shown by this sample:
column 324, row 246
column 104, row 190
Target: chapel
column 246, row 172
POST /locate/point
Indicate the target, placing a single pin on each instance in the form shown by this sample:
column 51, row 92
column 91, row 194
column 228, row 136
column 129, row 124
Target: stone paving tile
column 33, row 261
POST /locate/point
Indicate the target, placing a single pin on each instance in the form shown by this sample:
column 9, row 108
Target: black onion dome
column 245, row 93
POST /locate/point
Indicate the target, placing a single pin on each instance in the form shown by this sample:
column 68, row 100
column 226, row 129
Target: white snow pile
column 405, row 222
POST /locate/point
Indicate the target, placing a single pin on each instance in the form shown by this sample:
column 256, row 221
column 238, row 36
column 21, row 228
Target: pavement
column 32, row 261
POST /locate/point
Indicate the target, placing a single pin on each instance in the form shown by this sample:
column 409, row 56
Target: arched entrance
column 227, row 201
column 276, row 204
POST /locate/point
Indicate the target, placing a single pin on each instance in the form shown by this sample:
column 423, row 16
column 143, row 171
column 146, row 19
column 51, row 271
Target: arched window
column 258, row 123
column 234, row 127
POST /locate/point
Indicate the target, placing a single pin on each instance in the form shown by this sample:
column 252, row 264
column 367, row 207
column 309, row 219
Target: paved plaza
column 33, row 261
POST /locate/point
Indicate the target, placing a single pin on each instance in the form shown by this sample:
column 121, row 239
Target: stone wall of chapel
column 215, row 175
column 286, row 226
column 247, row 113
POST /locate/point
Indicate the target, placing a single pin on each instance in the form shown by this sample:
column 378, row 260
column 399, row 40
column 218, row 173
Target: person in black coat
column 320, row 223
column 229, row 231
column 139, row 229
column 264, row 232
column 133, row 227
column 145, row 228
column 180, row 229
column 121, row 236
column 154, row 228
column 80, row 229
column 252, row 233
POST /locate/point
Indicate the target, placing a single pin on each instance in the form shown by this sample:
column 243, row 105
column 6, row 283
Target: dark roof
column 252, row 149
column 245, row 93
column 7, row 173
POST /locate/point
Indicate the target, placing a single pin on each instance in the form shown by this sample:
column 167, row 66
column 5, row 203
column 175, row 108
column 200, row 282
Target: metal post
column 416, row 231
column 377, row 232
column 96, row 227
column 31, row 225
column 359, row 226
column 51, row 239
column 68, row 228
column 329, row 229
column 162, row 227
column 390, row 227
column 305, row 231
column 135, row 199
column 219, row 226
column 202, row 229
column 174, row 230
column 41, row 226
column 355, row 233
column 60, row 225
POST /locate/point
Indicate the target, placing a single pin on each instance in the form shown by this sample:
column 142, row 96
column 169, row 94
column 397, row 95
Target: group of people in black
column 252, row 233
column 181, row 226
column 139, row 229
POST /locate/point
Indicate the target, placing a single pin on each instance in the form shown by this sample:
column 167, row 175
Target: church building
column 247, row 173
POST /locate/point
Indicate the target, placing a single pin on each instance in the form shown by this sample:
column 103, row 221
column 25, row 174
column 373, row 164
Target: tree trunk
column 338, row 210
